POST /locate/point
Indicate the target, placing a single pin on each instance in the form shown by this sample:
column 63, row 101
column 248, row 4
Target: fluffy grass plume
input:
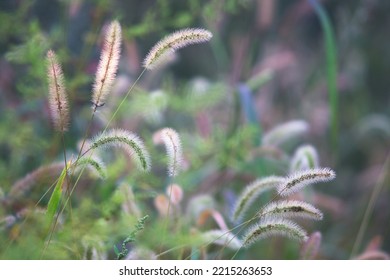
column 291, row 208
column 285, row 132
column 126, row 140
column 95, row 165
column 168, row 45
column 301, row 179
column 305, row 157
column 170, row 138
column 272, row 227
column 251, row 192
column 108, row 65
column 58, row 100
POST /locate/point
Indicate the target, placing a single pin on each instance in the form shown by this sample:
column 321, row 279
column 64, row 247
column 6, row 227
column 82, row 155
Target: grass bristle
column 126, row 140
column 171, row 139
column 165, row 48
column 108, row 65
column 58, row 100
column 301, row 179
column 274, row 227
column 290, row 209
column 251, row 192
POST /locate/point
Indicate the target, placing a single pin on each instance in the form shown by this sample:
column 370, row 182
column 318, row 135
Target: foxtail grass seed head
column 290, row 209
column 301, row 179
column 171, row 139
column 285, row 132
column 58, row 100
column 165, row 48
column 108, row 65
column 272, row 227
column 305, row 157
column 251, row 192
column 126, row 140
column 222, row 238
column 95, row 165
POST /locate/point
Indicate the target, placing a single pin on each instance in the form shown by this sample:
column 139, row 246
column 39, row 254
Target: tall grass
column 331, row 70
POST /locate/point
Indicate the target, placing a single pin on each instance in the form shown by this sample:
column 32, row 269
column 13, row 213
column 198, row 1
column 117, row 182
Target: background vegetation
column 268, row 63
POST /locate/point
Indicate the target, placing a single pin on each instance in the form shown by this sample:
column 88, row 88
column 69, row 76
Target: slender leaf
column 331, row 68
column 55, row 196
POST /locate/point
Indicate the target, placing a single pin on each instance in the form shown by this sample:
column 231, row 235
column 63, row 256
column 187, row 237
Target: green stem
column 91, row 154
column 331, row 69
column 370, row 207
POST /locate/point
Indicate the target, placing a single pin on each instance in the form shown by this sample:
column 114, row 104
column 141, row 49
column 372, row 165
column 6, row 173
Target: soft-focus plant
column 221, row 144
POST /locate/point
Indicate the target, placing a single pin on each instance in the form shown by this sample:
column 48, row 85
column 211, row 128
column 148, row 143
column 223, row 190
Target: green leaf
column 331, row 68
column 116, row 251
column 55, row 196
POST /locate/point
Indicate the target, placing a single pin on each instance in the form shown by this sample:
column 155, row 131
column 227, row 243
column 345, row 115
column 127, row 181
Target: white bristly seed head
column 305, row 157
column 251, row 192
column 171, row 139
column 126, row 140
column 273, row 227
column 58, row 100
column 108, row 65
column 165, row 48
column 301, row 179
column 285, row 132
column 290, row 209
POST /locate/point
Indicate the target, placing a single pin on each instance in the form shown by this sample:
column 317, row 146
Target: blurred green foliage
column 199, row 96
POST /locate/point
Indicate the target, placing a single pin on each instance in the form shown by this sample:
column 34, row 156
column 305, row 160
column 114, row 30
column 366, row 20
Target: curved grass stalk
column 367, row 214
column 251, row 192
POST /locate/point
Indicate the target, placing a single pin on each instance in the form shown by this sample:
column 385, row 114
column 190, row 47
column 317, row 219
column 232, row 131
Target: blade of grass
column 331, row 68
column 370, row 207
column 55, row 197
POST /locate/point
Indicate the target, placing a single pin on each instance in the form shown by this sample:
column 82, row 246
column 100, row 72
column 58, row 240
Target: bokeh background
column 269, row 62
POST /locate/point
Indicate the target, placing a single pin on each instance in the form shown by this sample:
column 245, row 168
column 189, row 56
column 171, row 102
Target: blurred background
column 269, row 62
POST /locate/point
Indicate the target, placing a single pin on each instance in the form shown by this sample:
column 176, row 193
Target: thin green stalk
column 370, row 207
column 124, row 99
column 67, row 178
column 331, row 69
column 91, row 154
